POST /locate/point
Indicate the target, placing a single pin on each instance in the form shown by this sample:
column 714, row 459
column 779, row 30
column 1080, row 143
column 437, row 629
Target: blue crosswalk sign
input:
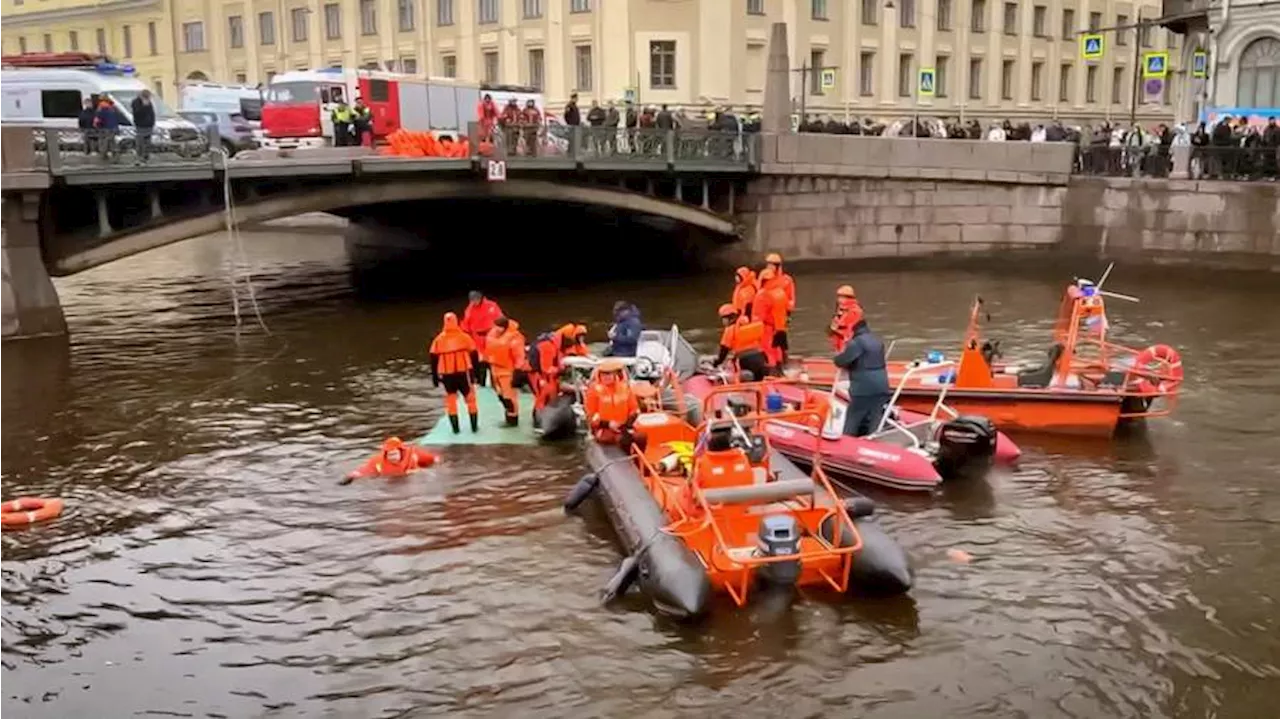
column 1199, row 64
column 928, row 82
column 1091, row 47
column 1155, row 65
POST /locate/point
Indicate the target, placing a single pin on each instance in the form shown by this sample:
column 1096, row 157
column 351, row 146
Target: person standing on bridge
column 342, row 117
column 510, row 122
column 477, row 320
column 487, row 114
column 531, row 121
column 144, row 123
column 453, row 358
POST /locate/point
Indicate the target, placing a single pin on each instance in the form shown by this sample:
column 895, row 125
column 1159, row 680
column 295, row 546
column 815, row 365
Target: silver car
column 233, row 131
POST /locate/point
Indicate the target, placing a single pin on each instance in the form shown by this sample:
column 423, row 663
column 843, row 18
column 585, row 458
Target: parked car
column 233, row 131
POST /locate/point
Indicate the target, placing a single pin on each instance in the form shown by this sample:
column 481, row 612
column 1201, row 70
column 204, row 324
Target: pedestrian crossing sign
column 1155, row 64
column 828, row 80
column 928, row 82
column 1200, row 64
column 1092, row 47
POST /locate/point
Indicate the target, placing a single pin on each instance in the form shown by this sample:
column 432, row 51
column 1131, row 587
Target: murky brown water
column 209, row 566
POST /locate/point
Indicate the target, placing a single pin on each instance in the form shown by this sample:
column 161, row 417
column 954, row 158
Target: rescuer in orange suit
column 742, row 338
column 531, row 122
column 773, row 261
column 395, row 459
column 544, row 366
column 744, row 292
column 611, row 407
column 770, row 308
column 453, row 358
column 487, row 113
column 506, row 355
column 578, row 346
column 848, row 315
column 477, row 320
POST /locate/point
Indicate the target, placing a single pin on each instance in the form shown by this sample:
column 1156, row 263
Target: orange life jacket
column 743, row 336
column 848, row 314
column 505, row 349
column 452, row 348
column 606, row 403
column 744, row 293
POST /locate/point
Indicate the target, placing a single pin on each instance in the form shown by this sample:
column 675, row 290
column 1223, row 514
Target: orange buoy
column 28, row 510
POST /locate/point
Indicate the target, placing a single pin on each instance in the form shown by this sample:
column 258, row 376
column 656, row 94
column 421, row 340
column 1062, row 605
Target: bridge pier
column 104, row 217
column 31, row 306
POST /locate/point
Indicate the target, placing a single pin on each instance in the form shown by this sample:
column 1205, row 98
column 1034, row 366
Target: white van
column 212, row 97
column 52, row 97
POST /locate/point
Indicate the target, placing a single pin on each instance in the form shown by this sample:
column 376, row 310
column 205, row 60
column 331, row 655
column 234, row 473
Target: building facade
column 1245, row 55
column 990, row 58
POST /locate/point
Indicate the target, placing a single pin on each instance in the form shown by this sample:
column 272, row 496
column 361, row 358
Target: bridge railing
column 609, row 145
column 58, row 150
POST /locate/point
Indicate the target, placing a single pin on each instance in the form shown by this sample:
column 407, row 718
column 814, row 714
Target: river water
column 208, row 565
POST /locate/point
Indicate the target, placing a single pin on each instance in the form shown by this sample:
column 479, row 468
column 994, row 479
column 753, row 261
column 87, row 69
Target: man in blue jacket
column 624, row 335
column 863, row 358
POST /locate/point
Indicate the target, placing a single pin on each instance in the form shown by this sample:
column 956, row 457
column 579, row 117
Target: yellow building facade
column 990, row 58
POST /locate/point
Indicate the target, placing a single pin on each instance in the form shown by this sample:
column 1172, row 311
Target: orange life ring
column 1168, row 378
column 28, row 510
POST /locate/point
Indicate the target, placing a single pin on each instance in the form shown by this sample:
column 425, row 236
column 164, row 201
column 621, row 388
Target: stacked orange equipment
column 504, row 348
column 453, row 357
column 421, row 143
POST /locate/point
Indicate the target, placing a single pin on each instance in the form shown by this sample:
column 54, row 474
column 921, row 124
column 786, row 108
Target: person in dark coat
column 863, row 359
column 624, row 335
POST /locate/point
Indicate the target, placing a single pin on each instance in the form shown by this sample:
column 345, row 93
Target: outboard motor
column 966, row 445
column 779, row 537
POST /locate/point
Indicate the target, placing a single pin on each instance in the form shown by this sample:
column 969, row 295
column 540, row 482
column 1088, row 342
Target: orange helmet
column 773, row 258
column 845, row 291
column 728, row 310
column 611, row 365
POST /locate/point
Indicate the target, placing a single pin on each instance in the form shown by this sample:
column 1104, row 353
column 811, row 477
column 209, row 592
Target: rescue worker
column 505, row 353
column 624, row 335
column 487, row 112
column 773, row 260
column 578, row 347
column 531, row 121
column 848, row 314
column 744, row 291
column 863, row 359
column 611, row 407
column 361, row 123
column 744, row 339
column 509, row 120
column 453, row 359
column 395, row 459
column 544, row 366
column 477, row 320
column 770, row 308
column 342, row 117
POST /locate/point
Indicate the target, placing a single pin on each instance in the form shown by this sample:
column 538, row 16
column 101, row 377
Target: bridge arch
column 345, row 195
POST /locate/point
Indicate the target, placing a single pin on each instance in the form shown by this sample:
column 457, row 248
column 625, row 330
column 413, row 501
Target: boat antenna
column 1116, row 295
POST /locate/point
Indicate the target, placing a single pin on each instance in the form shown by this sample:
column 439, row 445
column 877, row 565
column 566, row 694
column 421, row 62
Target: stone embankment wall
column 861, row 197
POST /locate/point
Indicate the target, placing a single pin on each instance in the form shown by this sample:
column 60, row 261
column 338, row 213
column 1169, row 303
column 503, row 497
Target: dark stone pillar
column 31, row 306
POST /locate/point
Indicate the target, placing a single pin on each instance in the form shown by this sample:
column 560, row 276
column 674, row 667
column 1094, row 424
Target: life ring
column 28, row 510
column 1168, row 378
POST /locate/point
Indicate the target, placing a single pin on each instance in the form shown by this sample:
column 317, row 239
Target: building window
column 1068, row 23
column 1091, row 83
column 368, row 17
column 1117, row 85
column 266, row 28
column 662, row 64
column 159, row 87
column 537, row 67
column 269, row 74
column 1122, row 33
column 975, row 78
column 48, row 42
column 193, row 36
column 1006, row 80
column 940, row 66
column 532, row 9
column 1258, row 75
column 73, row 40
column 818, row 9
column 101, row 36
column 944, row 15
column 755, row 7
column 444, row 12
column 1038, row 14
column 817, row 58
column 904, row 75
column 1064, row 83
column 487, row 11
column 22, row 46
column 978, row 21
column 579, row 5
column 1095, row 21
column 907, row 13
column 1037, row 81
column 242, row 78
column 333, row 21
column 126, row 39
column 298, row 20
column 404, row 14
column 582, row 74
column 409, row 65
column 870, row 12
column 491, row 67
column 1011, row 18
column 1144, row 33
column 449, row 65
column 235, row 31
column 866, row 74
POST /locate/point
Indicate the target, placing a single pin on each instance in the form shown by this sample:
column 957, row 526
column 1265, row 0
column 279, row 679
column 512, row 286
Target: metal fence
column 57, row 149
column 588, row 144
